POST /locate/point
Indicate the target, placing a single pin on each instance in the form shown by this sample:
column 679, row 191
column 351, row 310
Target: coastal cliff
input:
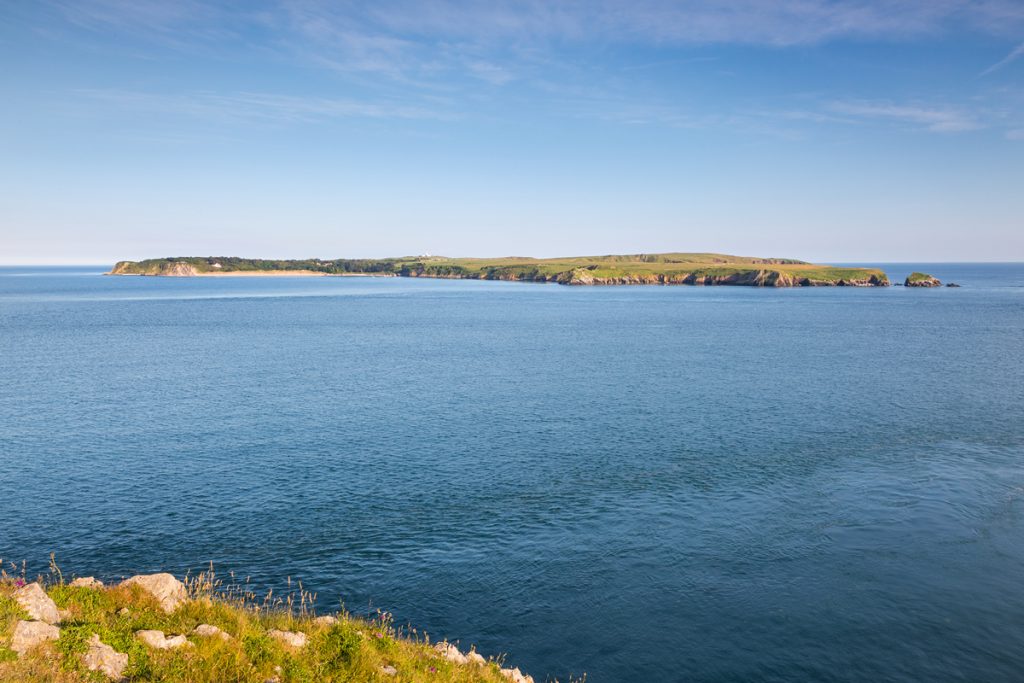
column 154, row 627
column 635, row 269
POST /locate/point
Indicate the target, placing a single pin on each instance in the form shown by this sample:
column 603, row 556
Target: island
column 631, row 269
column 921, row 280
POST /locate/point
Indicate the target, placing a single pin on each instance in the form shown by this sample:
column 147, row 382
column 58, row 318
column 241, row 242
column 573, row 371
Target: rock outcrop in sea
column 921, row 280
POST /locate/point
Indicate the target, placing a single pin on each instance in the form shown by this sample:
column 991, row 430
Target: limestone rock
column 158, row 640
column 294, row 639
column 105, row 659
column 516, row 676
column 475, row 658
column 326, row 620
column 451, row 653
column 28, row 634
column 389, row 670
column 210, row 631
column 34, row 600
column 164, row 587
column 86, row 582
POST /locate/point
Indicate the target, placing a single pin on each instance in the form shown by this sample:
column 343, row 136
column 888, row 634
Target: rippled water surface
column 640, row 483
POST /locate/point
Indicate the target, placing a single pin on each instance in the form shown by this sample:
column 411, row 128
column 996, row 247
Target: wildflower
column 433, row 669
column 378, row 634
column 19, row 582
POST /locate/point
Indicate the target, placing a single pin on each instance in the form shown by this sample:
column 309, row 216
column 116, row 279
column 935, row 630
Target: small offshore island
column 631, row 269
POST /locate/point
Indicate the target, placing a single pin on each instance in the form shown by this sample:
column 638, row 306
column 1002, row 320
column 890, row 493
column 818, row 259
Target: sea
column 644, row 483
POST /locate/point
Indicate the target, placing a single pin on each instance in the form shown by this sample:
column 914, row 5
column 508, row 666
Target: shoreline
column 258, row 273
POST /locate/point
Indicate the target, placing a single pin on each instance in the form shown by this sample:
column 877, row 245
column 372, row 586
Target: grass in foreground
column 352, row 649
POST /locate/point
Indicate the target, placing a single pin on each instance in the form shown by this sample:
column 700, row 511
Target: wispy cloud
column 774, row 22
column 409, row 39
column 1017, row 134
column 492, row 73
column 931, row 118
column 1015, row 54
column 255, row 107
column 434, row 58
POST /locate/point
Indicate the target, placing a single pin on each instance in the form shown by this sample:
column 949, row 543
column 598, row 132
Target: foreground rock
column 451, row 653
column 37, row 604
column 105, row 659
column 516, row 676
column 29, row 634
column 164, row 587
column 921, row 280
column 294, row 639
column 86, row 582
column 157, row 639
column 326, row 620
column 210, row 631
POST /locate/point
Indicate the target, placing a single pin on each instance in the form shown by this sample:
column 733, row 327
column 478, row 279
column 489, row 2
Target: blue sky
column 830, row 131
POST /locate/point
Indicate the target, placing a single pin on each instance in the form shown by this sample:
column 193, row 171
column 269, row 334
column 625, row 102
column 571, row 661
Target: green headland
column 630, row 269
column 156, row 629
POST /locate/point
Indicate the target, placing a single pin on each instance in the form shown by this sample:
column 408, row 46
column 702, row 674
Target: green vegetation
column 674, row 268
column 345, row 649
column 922, row 280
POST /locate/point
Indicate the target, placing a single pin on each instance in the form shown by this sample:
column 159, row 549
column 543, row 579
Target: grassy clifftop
column 664, row 269
column 196, row 631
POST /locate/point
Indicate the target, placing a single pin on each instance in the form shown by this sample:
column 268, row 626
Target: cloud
column 431, row 58
column 492, row 73
column 1017, row 52
column 935, row 119
column 255, row 107
column 410, row 38
column 770, row 22
column 1017, row 134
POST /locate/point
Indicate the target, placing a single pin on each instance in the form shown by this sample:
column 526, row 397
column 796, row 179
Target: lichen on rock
column 105, row 659
column 168, row 591
column 29, row 634
column 37, row 604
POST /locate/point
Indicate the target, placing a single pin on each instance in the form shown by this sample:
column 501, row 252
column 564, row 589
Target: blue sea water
column 640, row 483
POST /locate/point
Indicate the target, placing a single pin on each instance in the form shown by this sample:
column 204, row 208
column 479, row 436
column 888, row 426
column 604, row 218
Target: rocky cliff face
column 166, row 268
column 585, row 276
column 178, row 269
column 760, row 278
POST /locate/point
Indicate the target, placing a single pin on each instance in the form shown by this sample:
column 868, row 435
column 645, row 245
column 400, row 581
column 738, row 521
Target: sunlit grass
column 349, row 649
